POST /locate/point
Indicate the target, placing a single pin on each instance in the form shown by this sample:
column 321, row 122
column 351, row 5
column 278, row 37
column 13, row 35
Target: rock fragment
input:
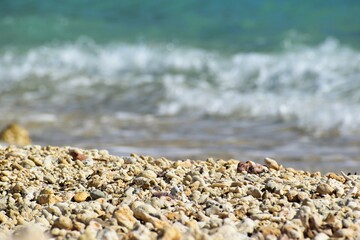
column 269, row 230
column 77, row 155
column 141, row 197
column 63, row 223
column 81, row 196
column 321, row 236
column 15, row 134
column 170, row 233
column 96, row 194
column 125, row 216
column 271, row 163
column 256, row 193
column 48, row 199
column 250, row 167
column 336, row 177
column 324, row 188
column 347, row 233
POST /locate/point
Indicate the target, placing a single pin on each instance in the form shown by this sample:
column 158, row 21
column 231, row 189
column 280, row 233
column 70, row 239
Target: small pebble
column 63, row 223
column 271, row 163
column 324, row 188
column 81, row 196
column 73, row 193
column 95, row 194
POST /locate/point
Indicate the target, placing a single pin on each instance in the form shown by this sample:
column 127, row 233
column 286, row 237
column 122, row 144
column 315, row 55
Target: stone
column 77, row 155
column 302, row 196
column 292, row 196
column 15, row 134
column 81, row 196
column 344, row 233
column 3, row 218
column 324, row 188
column 96, row 194
column 63, row 222
column 171, row 233
column 186, row 164
column 246, row 226
column 48, row 199
column 339, row 191
column 55, row 231
column 271, row 163
column 256, row 193
column 272, row 186
column 293, row 231
column 92, row 229
column 250, row 167
column 228, row 232
column 125, row 216
column 211, row 199
column 321, row 236
column 269, row 230
column 140, row 232
column 212, row 210
column 315, row 222
column 86, row 216
column 30, row 232
column 18, row 187
column 28, row 164
column 37, row 161
column 89, row 162
column 148, row 174
column 79, row 226
column 336, row 177
column 261, row 216
column 107, row 234
column 147, row 213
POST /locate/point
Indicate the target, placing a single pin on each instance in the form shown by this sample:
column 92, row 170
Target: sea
column 187, row 79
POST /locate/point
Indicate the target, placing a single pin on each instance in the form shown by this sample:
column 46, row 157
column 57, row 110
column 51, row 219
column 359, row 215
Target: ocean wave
column 313, row 87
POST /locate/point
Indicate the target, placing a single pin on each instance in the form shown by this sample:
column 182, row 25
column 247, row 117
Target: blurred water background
column 187, row 79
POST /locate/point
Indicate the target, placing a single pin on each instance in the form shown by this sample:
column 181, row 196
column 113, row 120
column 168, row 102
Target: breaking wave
column 314, row 87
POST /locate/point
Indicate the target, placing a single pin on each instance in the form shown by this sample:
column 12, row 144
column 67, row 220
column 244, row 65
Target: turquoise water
column 230, row 25
column 241, row 79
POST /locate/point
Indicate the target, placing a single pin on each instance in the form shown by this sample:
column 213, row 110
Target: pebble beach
column 71, row 193
column 143, row 120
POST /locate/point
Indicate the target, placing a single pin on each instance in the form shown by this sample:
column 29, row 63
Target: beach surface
column 72, row 193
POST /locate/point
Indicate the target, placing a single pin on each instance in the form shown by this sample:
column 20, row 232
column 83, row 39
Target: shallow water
column 200, row 138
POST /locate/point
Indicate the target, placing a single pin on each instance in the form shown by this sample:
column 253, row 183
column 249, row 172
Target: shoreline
column 72, row 193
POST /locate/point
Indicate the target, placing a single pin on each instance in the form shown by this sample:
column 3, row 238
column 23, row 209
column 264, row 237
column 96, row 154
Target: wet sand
column 72, row 193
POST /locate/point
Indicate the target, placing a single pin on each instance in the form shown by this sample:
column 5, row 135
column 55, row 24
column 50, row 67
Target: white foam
column 317, row 87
